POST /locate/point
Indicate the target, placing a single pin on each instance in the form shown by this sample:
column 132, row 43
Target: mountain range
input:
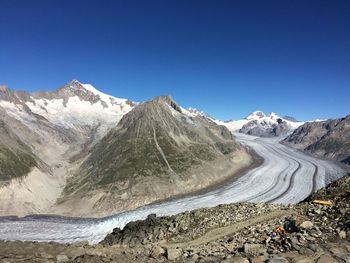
column 79, row 152
column 261, row 124
column 82, row 152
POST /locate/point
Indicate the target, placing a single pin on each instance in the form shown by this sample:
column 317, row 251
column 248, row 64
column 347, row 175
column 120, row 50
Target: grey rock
column 277, row 260
column 306, row 251
column 46, row 255
column 157, row 251
column 302, row 259
column 254, row 249
column 259, row 259
column 62, row 258
column 314, row 247
column 339, row 252
column 174, row 253
column 342, row 234
column 307, row 224
column 235, row 260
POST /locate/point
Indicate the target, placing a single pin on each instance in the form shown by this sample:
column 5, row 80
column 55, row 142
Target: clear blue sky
column 227, row 58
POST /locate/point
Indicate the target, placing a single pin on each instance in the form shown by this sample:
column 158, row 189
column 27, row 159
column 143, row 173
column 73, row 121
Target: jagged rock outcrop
column 156, row 151
column 330, row 139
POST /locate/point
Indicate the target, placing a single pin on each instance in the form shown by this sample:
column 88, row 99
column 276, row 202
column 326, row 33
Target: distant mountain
column 196, row 112
column 330, row 139
column 157, row 150
column 264, row 125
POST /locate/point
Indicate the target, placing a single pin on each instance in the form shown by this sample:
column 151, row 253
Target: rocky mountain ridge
column 330, row 139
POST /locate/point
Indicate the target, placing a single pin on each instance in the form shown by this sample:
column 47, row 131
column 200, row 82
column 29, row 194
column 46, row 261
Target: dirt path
column 220, row 232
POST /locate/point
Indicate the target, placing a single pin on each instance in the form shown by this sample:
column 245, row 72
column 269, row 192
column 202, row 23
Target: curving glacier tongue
column 286, row 176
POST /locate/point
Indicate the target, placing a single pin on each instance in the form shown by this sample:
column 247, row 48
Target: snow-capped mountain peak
column 88, row 92
column 74, row 105
column 262, row 123
column 196, row 112
column 255, row 115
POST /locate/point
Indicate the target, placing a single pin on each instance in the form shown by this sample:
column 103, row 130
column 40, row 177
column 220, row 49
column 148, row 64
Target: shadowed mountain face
column 157, row 150
column 330, row 139
column 16, row 158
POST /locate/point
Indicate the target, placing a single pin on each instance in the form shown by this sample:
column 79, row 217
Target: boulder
column 307, row 224
column 174, row 253
column 157, row 251
column 342, row 234
column 62, row 258
column 254, row 249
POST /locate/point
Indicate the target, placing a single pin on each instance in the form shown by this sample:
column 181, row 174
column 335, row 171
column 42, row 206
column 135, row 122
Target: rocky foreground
column 241, row 232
